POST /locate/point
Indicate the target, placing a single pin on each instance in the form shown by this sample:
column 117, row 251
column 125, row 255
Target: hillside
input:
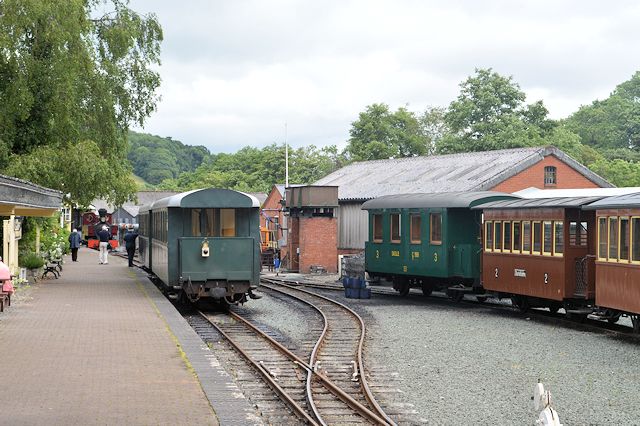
column 155, row 158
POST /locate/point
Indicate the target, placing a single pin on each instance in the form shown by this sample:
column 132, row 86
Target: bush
column 31, row 261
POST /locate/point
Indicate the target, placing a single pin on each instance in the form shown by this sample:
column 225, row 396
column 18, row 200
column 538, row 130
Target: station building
column 19, row 198
column 507, row 170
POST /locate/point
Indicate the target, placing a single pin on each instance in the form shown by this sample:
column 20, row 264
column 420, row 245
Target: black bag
column 109, row 246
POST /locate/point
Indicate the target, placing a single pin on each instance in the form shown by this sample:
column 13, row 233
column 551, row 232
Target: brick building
column 508, row 170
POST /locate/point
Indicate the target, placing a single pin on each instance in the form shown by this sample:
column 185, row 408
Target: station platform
column 101, row 345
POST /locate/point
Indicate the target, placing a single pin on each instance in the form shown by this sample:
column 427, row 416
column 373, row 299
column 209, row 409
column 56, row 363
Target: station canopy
column 21, row 198
column 537, row 203
column 206, row 198
column 436, row 200
column 619, row 201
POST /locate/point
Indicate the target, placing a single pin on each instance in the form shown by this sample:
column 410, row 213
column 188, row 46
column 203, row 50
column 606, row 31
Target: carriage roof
column 442, row 199
column 206, row 198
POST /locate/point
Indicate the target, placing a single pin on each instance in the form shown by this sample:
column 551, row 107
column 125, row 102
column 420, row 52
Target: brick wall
column 318, row 243
column 566, row 177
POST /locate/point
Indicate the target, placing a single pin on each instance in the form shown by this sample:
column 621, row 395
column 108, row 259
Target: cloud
column 234, row 72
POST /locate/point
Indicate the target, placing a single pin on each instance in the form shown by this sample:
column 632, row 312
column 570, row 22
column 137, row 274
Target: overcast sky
column 234, row 72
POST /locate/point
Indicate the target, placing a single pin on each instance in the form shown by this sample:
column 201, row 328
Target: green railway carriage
column 429, row 241
column 203, row 243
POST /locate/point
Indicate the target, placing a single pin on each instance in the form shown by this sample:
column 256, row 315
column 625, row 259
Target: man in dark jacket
column 104, row 234
column 130, row 243
column 74, row 243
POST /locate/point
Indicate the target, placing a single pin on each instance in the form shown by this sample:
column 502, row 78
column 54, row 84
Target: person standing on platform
column 74, row 243
column 130, row 243
column 103, row 235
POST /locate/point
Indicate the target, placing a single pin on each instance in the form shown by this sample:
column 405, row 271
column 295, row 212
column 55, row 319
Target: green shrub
column 31, row 261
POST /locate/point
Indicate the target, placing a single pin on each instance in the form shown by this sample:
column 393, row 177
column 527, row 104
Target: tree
column 67, row 77
column 490, row 113
column 378, row 133
column 613, row 123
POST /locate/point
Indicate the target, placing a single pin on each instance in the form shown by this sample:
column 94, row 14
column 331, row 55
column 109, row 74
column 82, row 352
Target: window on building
column 395, row 227
column 377, row 228
column 488, row 236
column 578, row 234
column 497, row 234
column 550, row 175
column 547, row 238
column 613, row 238
column 535, row 237
column 635, row 239
column 436, row 228
column 416, row 222
column 558, row 238
column 526, row 237
column 624, row 239
column 602, row 238
column 517, row 237
column 507, row 236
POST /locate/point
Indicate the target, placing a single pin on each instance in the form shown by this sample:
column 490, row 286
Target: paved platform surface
column 101, row 345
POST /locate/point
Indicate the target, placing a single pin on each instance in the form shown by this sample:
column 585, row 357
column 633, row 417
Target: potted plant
column 33, row 263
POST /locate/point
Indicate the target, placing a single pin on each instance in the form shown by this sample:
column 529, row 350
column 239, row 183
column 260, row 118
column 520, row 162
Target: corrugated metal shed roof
column 443, row 199
column 620, row 201
column 563, row 202
column 471, row 171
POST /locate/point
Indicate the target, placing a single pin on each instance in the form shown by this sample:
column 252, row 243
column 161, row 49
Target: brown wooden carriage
column 540, row 252
column 617, row 261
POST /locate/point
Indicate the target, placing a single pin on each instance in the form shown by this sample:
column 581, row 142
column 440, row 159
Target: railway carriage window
column 526, row 237
column 228, row 222
column 602, row 238
column 195, row 223
column 517, row 237
column 436, row 228
column 558, row 238
column 395, row 227
column 547, row 238
column 535, row 237
column 210, row 220
column 635, row 239
column 488, row 236
column 415, row 224
column 497, row 236
column 578, row 234
column 624, row 239
column 613, row 238
column 507, row 236
column 377, row 228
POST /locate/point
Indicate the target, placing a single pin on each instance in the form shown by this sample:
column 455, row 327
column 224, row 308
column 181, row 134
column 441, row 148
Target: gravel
column 461, row 364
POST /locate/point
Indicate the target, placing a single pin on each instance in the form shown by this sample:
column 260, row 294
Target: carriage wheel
column 404, row 288
column 554, row 308
column 426, row 290
column 481, row 299
column 613, row 316
column 521, row 303
column 635, row 321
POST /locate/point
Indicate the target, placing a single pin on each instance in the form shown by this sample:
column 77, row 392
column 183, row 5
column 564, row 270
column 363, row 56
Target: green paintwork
column 227, row 259
column 456, row 256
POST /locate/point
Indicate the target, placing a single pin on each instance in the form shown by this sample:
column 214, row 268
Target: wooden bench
column 5, row 297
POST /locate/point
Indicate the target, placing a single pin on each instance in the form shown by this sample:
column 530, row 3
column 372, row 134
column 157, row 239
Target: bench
column 5, row 296
column 53, row 267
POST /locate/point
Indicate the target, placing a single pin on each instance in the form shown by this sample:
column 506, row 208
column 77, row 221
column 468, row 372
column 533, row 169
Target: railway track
column 621, row 331
column 327, row 388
